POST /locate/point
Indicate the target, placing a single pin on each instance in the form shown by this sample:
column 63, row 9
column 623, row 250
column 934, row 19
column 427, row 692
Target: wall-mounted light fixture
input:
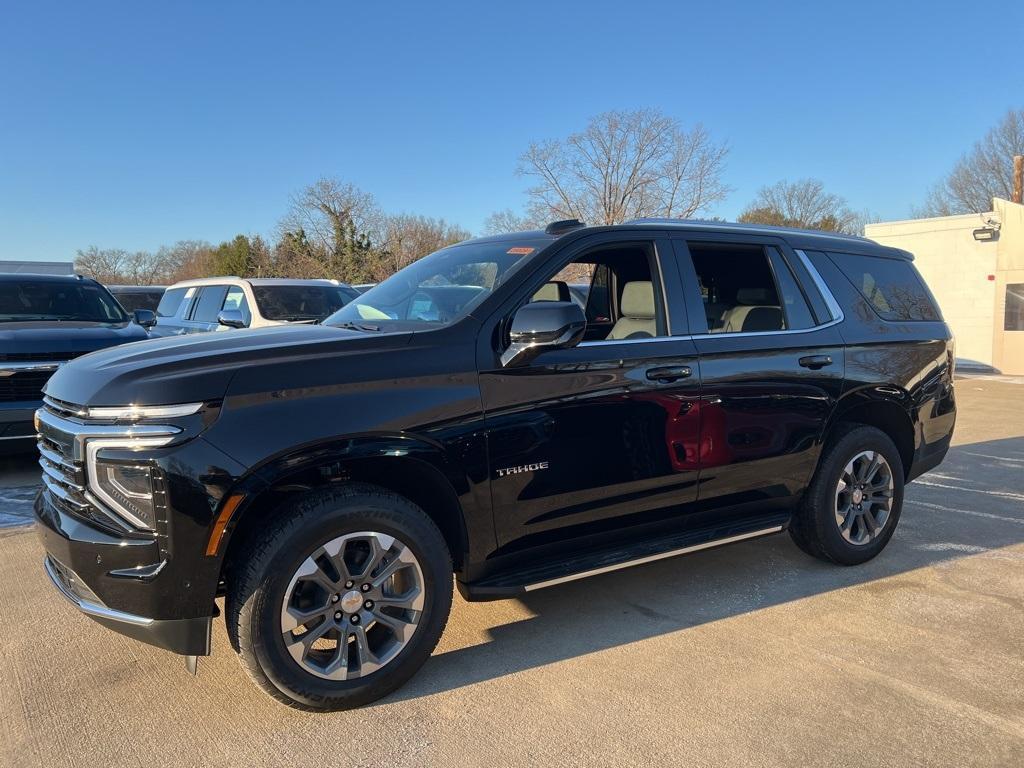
column 983, row 234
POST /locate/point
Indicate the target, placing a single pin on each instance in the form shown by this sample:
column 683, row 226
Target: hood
column 64, row 339
column 188, row 369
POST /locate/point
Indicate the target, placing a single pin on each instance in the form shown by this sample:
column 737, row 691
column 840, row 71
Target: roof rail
column 563, row 226
column 744, row 226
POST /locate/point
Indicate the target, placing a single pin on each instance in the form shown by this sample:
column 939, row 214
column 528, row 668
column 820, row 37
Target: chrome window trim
column 695, row 336
column 19, row 437
column 830, row 301
column 819, row 282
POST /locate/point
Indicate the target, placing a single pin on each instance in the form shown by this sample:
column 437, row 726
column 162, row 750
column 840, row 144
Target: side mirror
column 543, row 325
column 232, row 318
column 144, row 317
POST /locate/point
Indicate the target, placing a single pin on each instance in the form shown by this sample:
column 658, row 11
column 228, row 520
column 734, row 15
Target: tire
column 816, row 526
column 277, row 564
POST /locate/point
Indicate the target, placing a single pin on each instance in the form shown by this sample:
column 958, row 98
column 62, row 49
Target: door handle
column 669, row 373
column 814, row 362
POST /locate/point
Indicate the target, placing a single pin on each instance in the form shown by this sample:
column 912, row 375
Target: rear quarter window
column 892, row 287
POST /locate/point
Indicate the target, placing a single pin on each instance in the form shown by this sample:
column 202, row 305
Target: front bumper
column 114, row 566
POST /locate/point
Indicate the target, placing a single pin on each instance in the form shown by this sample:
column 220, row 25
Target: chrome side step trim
column 652, row 558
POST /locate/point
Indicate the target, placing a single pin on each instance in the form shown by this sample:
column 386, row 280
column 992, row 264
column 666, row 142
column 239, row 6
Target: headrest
column 763, row 319
column 556, row 290
column 638, row 300
column 754, row 296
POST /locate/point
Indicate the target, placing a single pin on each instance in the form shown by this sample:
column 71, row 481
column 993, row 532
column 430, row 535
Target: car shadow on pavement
column 973, row 503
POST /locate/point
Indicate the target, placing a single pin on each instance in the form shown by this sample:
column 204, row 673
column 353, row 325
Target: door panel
column 764, row 413
column 766, row 395
column 582, row 441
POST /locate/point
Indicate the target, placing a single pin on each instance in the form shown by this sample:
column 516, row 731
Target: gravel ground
column 750, row 655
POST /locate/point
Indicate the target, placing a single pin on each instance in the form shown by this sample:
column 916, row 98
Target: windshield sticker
column 520, row 251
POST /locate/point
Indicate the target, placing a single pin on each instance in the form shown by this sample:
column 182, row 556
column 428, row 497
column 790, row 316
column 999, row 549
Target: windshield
column 300, row 302
column 25, row 300
column 438, row 289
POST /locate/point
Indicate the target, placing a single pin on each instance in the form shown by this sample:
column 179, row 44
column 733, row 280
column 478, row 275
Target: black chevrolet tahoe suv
column 466, row 417
column 46, row 320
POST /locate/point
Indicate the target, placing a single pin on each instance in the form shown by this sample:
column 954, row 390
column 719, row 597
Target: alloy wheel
column 352, row 605
column 864, row 497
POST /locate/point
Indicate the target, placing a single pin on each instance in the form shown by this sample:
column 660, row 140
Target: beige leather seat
column 753, row 313
column 637, row 305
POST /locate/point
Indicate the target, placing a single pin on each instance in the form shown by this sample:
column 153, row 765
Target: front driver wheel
column 342, row 600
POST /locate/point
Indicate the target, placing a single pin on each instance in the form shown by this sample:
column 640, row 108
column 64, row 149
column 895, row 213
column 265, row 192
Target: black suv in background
column 133, row 297
column 46, row 320
column 722, row 383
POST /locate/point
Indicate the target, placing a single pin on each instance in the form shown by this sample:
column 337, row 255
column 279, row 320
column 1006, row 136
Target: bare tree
column 117, row 266
column 804, row 204
column 502, row 222
column 336, row 224
column 325, row 208
column 184, row 260
column 625, row 165
column 408, row 238
column 981, row 174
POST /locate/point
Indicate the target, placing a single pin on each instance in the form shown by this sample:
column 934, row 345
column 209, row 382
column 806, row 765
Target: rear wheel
column 853, row 504
column 342, row 600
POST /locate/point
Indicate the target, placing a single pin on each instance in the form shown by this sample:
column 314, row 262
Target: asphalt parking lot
column 751, row 655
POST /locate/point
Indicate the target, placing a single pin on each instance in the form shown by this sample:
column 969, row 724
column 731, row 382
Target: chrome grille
column 21, row 386
column 64, row 476
column 63, row 408
column 26, row 357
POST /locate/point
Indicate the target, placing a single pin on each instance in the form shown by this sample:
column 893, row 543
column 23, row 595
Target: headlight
column 129, row 489
column 124, row 486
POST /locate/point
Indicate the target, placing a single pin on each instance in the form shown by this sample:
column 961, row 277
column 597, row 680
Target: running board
column 585, row 565
column 652, row 558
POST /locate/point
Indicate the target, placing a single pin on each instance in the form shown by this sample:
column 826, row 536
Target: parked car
column 733, row 382
column 222, row 303
column 133, row 297
column 46, row 320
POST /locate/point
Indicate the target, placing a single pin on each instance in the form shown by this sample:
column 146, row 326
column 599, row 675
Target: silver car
column 221, row 303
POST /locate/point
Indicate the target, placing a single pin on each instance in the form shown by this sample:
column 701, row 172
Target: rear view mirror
column 144, row 317
column 541, row 326
column 231, row 318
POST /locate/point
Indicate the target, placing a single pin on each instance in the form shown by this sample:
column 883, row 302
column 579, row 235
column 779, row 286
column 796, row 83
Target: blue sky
column 132, row 125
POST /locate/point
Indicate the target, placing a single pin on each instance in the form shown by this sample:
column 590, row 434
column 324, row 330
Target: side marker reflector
column 221, row 522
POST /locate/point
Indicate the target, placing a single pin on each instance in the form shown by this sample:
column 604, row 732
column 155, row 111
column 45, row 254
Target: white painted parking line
column 1000, row 494
column 971, row 512
column 989, row 456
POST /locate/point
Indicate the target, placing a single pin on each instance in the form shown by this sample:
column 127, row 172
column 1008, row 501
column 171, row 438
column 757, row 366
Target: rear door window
column 210, row 301
column 892, row 287
column 747, row 288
